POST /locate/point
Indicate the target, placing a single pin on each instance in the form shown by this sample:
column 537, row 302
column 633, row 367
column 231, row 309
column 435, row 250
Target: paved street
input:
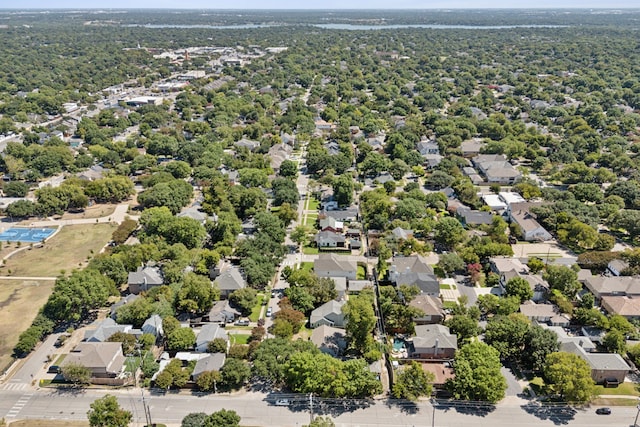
column 257, row 411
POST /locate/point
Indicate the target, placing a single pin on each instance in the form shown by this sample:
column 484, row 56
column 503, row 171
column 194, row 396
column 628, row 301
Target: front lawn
column 361, row 273
column 310, row 250
column 444, row 286
column 255, row 311
column 239, row 338
column 306, row 266
column 131, row 363
column 624, row 389
column 312, row 204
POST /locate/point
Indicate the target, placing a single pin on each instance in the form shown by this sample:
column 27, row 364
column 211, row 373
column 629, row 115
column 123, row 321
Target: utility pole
column 635, row 422
column 433, row 416
column 311, row 407
column 145, row 408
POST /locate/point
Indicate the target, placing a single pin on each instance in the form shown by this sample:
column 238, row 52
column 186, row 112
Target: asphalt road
column 256, row 409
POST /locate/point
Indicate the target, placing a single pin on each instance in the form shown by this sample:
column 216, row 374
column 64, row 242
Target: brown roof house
column 601, row 286
column 431, row 307
column 329, row 340
column 414, row 270
column 434, row 342
column 627, row 306
column 520, row 214
column 103, row 359
column 332, row 265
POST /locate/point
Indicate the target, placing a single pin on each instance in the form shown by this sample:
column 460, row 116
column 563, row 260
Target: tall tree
column 106, row 412
column 569, row 376
column 477, row 374
column 413, row 382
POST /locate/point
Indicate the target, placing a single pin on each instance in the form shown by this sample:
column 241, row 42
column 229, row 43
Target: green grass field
column 239, row 338
column 255, row 311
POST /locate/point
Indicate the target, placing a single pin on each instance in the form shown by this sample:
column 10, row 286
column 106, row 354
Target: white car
column 269, row 312
column 283, row 402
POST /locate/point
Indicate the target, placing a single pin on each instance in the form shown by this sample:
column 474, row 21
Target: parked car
column 269, row 311
column 603, row 411
column 283, row 402
column 54, row 369
column 242, row 322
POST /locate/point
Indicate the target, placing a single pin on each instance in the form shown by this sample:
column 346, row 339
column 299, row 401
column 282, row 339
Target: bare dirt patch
column 19, row 304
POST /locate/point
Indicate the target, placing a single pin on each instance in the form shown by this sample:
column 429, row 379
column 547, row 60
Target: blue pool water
column 398, row 344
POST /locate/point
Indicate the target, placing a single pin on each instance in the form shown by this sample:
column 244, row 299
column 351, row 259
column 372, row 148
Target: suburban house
column 329, row 313
column 400, row 233
column 531, row 228
column 340, row 286
column 430, row 151
column 473, row 175
column 468, row 216
column 211, row 362
column 357, row 286
column 208, row 333
column 434, row 342
column 330, row 239
column 617, row 266
column 144, row 278
column 278, row 153
column 601, row 286
column 329, row 340
column 105, row 329
column 414, row 270
column 125, row 300
column 153, row 326
column 221, row 312
column 330, row 224
column 543, row 313
column 496, row 168
column 103, row 359
column 494, row 202
column 626, row 306
column 605, row 367
column 248, row 144
column 441, row 373
column 501, row 265
column 431, row 307
column 332, row 265
column 349, row 214
column 471, row 147
column 229, row 281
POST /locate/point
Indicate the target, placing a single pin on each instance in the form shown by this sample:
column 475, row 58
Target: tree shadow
column 405, row 406
column 68, row 390
column 479, row 409
column 557, row 414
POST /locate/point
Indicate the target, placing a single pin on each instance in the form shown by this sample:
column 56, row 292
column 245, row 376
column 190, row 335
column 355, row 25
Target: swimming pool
column 27, row 235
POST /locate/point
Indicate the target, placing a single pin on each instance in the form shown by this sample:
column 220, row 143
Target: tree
column 507, row 335
column 451, row 262
column 285, row 190
column 244, row 300
column 562, row 278
column 569, row 376
column 15, row 189
column 223, row 418
column 194, row 419
column 361, row 320
column 413, row 382
column 300, row 235
column 287, row 214
column 463, row 326
column 288, row 169
column 519, row 287
column 539, row 342
column 196, row 294
column 76, row 373
column 535, row 265
column 449, row 232
column 234, row 373
column 321, row 422
column 21, row 209
column 343, row 188
column 477, row 374
column 270, row 357
column 217, row 345
column 208, row 380
column 614, row 341
column 181, row 339
column 106, row 412
column 128, row 341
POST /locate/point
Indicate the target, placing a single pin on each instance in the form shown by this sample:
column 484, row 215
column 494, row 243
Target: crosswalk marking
column 17, row 407
column 14, row 386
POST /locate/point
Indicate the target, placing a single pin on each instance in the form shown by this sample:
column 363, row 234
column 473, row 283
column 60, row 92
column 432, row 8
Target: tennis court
column 28, row 235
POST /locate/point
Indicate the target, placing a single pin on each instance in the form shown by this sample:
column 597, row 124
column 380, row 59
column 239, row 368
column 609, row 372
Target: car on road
column 54, row 369
column 242, row 322
column 269, row 311
column 282, row 402
column 603, row 411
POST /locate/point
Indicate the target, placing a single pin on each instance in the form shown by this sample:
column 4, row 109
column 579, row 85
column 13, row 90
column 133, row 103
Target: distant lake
column 213, row 27
column 429, row 26
column 350, row 26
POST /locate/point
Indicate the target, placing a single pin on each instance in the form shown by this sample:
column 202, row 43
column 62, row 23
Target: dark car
column 603, row 411
column 53, row 369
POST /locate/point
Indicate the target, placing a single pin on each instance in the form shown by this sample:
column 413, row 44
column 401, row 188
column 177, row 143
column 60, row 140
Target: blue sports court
column 28, row 235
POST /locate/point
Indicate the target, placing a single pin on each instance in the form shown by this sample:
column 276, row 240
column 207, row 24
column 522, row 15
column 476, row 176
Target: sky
column 315, row 4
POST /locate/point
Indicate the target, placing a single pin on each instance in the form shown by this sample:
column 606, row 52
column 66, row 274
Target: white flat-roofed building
column 494, row 202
